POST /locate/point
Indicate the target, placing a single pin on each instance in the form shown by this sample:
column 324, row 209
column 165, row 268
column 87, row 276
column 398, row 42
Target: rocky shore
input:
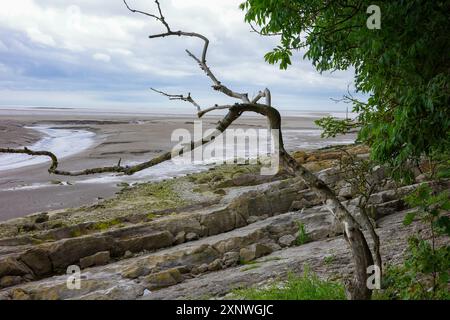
column 199, row 236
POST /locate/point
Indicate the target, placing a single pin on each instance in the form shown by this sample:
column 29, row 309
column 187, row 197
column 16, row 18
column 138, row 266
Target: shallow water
column 62, row 142
column 20, row 196
column 68, row 142
column 294, row 140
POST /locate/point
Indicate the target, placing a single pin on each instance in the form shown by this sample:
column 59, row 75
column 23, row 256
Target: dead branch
column 187, row 98
column 159, row 18
column 263, row 94
column 217, row 85
column 356, row 173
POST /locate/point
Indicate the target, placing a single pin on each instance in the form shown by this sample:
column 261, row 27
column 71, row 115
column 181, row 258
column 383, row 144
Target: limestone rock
column 274, row 246
column 19, row 294
column 163, row 279
column 70, row 251
column 345, row 191
column 135, row 271
column 128, row 254
column 11, row 267
column 191, row 236
column 215, row 265
column 254, row 252
column 253, row 219
column 150, row 242
column 330, row 176
column 229, row 244
column 98, row 259
column 230, row 258
column 37, row 259
column 203, row 268
column 180, row 237
column 117, row 292
column 244, row 180
column 204, row 254
column 218, row 222
column 220, row 192
column 300, row 204
column 286, row 241
column 9, row 281
column 185, row 223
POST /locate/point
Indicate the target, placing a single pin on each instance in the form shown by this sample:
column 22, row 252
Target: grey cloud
column 105, row 51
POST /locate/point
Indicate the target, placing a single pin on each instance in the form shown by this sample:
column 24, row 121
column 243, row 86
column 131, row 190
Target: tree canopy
column 403, row 66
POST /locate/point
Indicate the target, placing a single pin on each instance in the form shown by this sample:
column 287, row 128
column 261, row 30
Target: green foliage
column 329, row 260
column 333, row 126
column 403, row 66
column 302, row 237
column 425, row 272
column 444, row 171
column 251, row 267
column 105, row 225
column 431, row 209
column 305, row 287
column 440, row 165
column 423, row 275
column 151, row 216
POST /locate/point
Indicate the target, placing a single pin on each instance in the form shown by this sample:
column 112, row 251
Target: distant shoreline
column 162, row 112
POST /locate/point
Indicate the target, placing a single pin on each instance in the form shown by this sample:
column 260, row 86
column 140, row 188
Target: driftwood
column 355, row 238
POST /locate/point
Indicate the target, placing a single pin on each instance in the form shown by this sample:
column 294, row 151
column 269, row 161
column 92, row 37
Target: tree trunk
column 362, row 256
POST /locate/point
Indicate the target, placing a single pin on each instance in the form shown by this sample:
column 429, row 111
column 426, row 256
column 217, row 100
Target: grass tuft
column 306, row 287
column 302, row 237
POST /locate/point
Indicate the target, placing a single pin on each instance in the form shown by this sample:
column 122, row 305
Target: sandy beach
column 130, row 137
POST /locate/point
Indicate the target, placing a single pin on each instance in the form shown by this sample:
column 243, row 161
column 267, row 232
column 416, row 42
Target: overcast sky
column 96, row 54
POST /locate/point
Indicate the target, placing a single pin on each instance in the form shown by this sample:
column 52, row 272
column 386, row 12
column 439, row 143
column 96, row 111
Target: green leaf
column 409, row 218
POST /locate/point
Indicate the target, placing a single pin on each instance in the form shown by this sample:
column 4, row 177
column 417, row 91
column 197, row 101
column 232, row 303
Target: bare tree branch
column 234, row 113
column 186, row 34
column 258, row 97
column 348, row 98
column 216, row 107
column 217, row 85
column 263, row 94
column 54, row 165
column 187, row 98
column 160, row 18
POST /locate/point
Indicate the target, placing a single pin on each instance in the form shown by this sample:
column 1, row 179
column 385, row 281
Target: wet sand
column 14, row 135
column 118, row 136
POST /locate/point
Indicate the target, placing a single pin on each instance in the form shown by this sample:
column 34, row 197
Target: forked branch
column 217, row 85
column 181, row 97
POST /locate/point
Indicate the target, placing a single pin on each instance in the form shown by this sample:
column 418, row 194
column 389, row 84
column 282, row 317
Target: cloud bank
column 96, row 54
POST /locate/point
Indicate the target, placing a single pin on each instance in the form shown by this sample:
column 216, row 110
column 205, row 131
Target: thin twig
column 187, row 98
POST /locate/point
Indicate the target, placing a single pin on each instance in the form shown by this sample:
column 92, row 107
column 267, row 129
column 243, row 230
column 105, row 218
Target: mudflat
column 127, row 137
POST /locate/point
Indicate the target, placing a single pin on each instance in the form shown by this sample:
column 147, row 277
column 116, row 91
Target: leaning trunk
column 362, row 256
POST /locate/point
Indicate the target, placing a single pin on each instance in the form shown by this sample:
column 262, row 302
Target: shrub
column 425, row 271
